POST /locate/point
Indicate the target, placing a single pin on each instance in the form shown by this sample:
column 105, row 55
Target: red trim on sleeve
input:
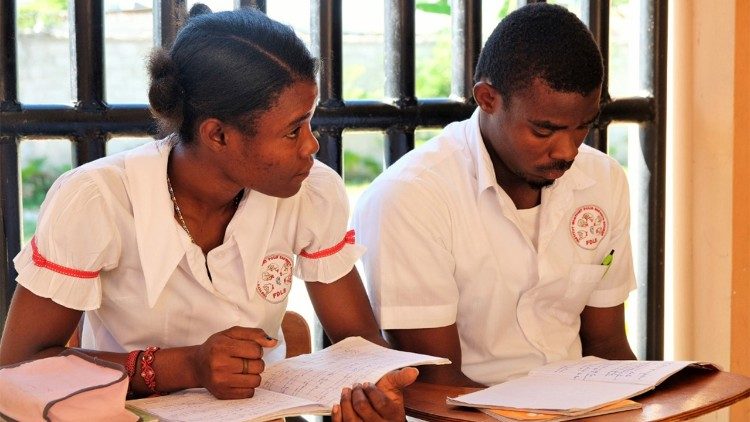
column 42, row 262
column 348, row 238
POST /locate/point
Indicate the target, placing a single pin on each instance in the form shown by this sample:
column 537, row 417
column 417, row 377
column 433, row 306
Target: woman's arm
column 344, row 311
column 38, row 327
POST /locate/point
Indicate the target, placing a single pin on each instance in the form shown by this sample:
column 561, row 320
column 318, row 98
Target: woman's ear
column 212, row 133
column 487, row 97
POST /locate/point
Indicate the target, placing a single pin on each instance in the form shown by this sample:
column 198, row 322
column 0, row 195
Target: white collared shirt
column 445, row 246
column 143, row 282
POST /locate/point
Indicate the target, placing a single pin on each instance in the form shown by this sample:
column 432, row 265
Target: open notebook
column 306, row 384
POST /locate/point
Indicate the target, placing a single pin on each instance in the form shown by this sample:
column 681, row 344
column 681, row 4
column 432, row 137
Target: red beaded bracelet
column 147, row 371
column 130, row 363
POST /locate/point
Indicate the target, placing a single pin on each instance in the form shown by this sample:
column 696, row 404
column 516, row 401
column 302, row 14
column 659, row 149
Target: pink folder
column 72, row 386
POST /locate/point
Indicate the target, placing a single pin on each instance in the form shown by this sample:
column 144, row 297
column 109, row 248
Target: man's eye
column 541, row 132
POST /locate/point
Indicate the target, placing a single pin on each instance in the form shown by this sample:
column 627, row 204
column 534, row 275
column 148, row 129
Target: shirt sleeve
column 408, row 266
column 325, row 250
column 75, row 240
column 619, row 279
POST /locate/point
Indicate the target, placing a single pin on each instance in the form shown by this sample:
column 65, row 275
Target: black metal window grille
column 90, row 121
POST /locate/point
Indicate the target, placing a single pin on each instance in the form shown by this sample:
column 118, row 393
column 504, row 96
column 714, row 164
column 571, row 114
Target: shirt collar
column 252, row 227
column 159, row 246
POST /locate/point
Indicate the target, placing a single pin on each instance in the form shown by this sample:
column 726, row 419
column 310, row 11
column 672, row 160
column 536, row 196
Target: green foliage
column 359, row 169
column 434, row 6
column 433, row 76
column 355, row 89
column 36, row 178
column 41, row 15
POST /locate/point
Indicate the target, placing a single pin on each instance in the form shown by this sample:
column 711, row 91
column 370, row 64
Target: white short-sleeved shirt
column 445, row 246
column 107, row 242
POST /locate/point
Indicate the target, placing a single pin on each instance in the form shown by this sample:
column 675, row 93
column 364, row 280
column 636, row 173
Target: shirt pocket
column 582, row 281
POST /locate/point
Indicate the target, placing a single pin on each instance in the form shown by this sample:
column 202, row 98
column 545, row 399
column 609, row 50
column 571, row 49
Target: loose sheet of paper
column 619, row 371
column 198, row 405
column 319, row 377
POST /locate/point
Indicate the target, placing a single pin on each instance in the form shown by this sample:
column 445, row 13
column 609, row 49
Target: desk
column 689, row 393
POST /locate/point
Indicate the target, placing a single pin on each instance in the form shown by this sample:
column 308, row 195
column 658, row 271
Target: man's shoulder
column 443, row 160
column 596, row 163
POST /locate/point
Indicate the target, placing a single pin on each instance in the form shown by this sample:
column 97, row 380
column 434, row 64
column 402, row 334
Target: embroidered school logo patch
column 275, row 278
column 588, row 226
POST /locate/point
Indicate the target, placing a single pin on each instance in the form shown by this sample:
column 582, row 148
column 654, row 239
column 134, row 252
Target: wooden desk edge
column 427, row 401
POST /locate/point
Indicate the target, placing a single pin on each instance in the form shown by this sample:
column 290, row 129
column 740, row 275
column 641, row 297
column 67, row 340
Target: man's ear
column 212, row 133
column 487, row 97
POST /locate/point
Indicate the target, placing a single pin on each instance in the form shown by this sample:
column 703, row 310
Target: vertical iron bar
column 10, row 219
column 10, row 212
column 326, row 34
column 596, row 12
column 258, row 4
column 654, row 74
column 8, row 69
column 87, row 33
column 87, row 43
column 169, row 15
column 466, row 18
column 399, row 71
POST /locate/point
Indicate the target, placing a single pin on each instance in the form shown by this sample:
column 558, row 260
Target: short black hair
column 227, row 65
column 542, row 41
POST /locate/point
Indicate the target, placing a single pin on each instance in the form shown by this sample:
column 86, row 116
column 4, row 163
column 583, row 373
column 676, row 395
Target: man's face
column 534, row 139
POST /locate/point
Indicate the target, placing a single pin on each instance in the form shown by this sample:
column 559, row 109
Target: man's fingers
column 362, row 405
column 377, row 398
column 398, row 379
column 347, row 411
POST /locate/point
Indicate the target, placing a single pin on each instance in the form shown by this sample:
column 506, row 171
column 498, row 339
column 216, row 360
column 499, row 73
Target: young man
column 503, row 243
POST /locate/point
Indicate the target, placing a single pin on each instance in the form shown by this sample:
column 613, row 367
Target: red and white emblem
column 275, row 281
column 588, row 226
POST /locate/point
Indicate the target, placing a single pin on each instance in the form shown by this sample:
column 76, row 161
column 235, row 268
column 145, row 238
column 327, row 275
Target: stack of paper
column 575, row 388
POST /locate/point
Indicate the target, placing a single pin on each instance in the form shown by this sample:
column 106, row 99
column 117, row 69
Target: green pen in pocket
column 608, row 261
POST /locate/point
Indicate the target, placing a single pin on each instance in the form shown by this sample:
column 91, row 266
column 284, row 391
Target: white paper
column 198, row 405
column 319, row 377
column 306, row 384
column 575, row 387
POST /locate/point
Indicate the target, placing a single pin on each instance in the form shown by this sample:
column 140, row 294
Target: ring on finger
column 245, row 366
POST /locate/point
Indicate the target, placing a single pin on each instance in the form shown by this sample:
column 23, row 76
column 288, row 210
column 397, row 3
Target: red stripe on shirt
column 348, row 238
column 42, row 262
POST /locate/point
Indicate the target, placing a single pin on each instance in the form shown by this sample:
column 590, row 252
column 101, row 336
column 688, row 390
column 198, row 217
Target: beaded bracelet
column 130, row 363
column 147, row 371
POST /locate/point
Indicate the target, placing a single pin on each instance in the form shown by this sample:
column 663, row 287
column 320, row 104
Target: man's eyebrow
column 546, row 124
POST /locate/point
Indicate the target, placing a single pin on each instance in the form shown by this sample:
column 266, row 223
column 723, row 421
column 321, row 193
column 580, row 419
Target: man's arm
column 603, row 333
column 443, row 342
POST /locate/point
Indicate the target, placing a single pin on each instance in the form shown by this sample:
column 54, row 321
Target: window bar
column 399, row 67
column 258, row 4
column 653, row 135
column 596, row 12
column 10, row 198
column 169, row 15
column 88, row 53
column 466, row 16
column 326, row 33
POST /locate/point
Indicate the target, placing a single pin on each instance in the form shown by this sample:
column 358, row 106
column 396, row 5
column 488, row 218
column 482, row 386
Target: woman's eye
column 294, row 134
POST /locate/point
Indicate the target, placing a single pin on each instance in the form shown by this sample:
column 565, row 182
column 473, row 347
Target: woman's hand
column 229, row 363
column 381, row 402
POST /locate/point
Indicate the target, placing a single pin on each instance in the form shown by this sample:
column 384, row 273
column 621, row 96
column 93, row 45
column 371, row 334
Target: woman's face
column 278, row 156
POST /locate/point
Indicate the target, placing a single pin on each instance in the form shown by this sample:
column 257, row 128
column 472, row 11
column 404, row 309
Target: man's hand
column 381, row 402
column 230, row 362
